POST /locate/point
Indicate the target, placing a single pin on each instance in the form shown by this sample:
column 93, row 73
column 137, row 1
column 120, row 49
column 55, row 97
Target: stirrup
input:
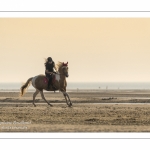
column 53, row 88
column 48, row 88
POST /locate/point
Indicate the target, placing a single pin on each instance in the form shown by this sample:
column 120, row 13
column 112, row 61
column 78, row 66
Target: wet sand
column 92, row 111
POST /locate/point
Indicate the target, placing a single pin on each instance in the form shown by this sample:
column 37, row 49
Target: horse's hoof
column 51, row 105
column 69, row 105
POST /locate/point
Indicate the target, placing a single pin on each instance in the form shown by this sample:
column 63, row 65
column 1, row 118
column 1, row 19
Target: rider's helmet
column 49, row 59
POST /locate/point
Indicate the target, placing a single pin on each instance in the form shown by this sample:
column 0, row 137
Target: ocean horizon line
column 87, row 85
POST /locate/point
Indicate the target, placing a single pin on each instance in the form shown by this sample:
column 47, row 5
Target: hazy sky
column 97, row 49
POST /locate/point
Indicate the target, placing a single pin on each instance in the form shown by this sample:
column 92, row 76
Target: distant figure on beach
column 49, row 71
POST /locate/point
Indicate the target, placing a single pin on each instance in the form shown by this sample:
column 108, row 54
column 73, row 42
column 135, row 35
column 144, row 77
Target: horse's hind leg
column 42, row 95
column 34, row 95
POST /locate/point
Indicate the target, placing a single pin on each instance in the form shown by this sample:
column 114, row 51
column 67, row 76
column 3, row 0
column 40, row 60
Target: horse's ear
column 67, row 63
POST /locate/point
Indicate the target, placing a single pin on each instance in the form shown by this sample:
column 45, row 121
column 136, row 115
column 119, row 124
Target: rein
column 59, row 74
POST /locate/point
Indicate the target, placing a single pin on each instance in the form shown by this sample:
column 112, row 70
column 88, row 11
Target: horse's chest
column 57, row 77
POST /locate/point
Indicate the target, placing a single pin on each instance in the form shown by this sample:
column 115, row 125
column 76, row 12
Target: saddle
column 46, row 80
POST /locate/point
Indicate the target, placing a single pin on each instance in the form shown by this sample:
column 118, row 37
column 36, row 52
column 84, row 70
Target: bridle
column 64, row 65
column 59, row 73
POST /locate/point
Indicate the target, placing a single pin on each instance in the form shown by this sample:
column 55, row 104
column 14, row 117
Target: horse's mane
column 59, row 65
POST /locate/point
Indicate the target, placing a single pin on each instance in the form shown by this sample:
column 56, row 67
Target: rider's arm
column 55, row 68
column 48, row 72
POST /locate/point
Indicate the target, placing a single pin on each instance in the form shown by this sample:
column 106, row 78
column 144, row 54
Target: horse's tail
column 25, row 86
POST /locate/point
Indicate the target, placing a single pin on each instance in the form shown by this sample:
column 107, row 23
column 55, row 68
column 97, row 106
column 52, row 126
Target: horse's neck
column 62, row 77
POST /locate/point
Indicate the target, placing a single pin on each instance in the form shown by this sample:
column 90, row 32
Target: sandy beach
column 92, row 111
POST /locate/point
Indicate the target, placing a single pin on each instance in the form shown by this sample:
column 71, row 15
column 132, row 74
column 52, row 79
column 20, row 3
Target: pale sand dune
column 116, row 111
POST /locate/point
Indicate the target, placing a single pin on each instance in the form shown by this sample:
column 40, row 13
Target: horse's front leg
column 66, row 97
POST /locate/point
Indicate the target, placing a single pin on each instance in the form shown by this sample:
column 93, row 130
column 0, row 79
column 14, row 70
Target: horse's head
column 65, row 69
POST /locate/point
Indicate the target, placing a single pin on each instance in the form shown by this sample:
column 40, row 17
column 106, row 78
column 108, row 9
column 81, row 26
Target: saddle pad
column 45, row 80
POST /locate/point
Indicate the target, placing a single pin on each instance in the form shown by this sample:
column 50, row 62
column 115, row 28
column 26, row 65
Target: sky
column 97, row 49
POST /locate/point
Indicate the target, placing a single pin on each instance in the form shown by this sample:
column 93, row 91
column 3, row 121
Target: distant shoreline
column 79, row 90
column 85, row 86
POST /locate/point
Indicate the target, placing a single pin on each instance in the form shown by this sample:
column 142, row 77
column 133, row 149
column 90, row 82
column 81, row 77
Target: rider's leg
column 49, row 81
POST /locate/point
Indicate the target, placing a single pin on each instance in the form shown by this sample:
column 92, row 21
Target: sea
column 86, row 85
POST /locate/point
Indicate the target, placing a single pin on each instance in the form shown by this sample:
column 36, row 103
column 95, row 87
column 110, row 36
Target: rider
column 49, row 70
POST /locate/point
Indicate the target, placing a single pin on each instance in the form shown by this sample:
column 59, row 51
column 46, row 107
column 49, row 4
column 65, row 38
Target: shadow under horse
column 40, row 83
